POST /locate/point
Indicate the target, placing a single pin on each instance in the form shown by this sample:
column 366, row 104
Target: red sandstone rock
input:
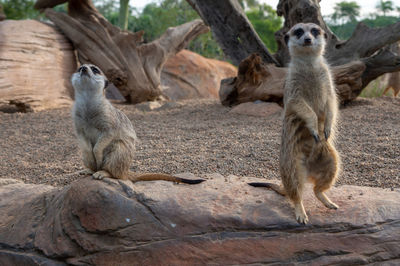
column 189, row 75
column 36, row 63
column 221, row 221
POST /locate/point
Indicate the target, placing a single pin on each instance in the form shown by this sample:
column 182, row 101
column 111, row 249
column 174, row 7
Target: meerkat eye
column 315, row 32
column 298, row 33
column 79, row 69
column 95, row 70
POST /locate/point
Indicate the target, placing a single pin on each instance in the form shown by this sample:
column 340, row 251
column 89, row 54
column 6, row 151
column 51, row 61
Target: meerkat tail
column 156, row 176
column 277, row 188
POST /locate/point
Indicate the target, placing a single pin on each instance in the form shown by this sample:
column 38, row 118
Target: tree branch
column 232, row 30
column 364, row 42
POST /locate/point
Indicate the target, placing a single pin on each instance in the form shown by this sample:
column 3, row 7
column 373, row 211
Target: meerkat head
column 306, row 39
column 89, row 78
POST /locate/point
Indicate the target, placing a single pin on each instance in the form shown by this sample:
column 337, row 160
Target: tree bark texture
column 367, row 49
column 2, row 15
column 232, row 30
column 132, row 66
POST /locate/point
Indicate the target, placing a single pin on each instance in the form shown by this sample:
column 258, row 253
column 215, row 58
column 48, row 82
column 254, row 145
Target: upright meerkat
column 310, row 114
column 105, row 134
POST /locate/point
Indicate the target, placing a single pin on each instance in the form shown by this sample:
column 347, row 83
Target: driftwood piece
column 367, row 46
column 258, row 81
column 132, row 66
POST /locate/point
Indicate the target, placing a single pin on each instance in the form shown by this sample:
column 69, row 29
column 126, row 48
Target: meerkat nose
column 307, row 41
column 83, row 70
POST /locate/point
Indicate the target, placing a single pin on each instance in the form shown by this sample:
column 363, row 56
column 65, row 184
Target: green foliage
column 346, row 11
column 156, row 18
column 346, row 30
column 266, row 23
column 19, row 9
column 374, row 89
column 385, row 6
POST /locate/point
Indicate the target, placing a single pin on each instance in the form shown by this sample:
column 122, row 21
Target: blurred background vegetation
column 156, row 17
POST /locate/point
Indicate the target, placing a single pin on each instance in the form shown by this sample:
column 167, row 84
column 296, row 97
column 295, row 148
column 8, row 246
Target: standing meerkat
column 310, row 113
column 105, row 134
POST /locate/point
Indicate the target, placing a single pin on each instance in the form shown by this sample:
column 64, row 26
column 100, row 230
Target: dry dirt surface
column 201, row 136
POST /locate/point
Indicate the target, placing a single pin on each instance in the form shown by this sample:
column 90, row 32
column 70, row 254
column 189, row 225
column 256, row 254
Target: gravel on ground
column 201, row 137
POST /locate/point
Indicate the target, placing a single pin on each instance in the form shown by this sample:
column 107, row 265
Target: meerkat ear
column 286, row 38
column 105, row 84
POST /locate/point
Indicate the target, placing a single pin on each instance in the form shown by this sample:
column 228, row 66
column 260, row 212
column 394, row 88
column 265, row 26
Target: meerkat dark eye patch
column 95, row 70
column 298, row 33
column 79, row 69
column 315, row 32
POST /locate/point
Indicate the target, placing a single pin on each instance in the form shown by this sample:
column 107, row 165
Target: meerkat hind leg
column 325, row 175
column 322, row 184
column 300, row 212
column 293, row 184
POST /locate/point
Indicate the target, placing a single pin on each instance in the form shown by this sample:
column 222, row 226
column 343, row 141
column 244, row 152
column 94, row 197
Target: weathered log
column 259, row 81
column 36, row 64
column 367, row 46
column 132, row 66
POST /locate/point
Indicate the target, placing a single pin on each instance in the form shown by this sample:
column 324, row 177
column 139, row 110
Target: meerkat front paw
column 86, row 171
column 327, row 133
column 100, row 175
column 316, row 137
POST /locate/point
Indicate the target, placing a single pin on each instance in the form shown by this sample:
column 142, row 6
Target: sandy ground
column 202, row 137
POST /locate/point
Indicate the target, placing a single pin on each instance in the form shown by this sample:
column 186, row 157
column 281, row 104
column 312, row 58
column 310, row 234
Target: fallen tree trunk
column 133, row 67
column 258, row 81
column 367, row 49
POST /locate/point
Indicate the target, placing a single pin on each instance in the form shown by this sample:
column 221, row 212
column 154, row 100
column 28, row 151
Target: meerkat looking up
column 105, row 134
column 310, row 112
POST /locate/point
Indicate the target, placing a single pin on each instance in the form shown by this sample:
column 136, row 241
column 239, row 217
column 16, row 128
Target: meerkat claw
column 316, row 137
column 302, row 218
column 327, row 133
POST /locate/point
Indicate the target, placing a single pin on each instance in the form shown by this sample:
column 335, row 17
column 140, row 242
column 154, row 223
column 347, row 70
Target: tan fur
column 308, row 131
column 105, row 135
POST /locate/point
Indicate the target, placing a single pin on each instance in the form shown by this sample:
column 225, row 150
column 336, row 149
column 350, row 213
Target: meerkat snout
column 89, row 77
column 307, row 41
column 83, row 70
